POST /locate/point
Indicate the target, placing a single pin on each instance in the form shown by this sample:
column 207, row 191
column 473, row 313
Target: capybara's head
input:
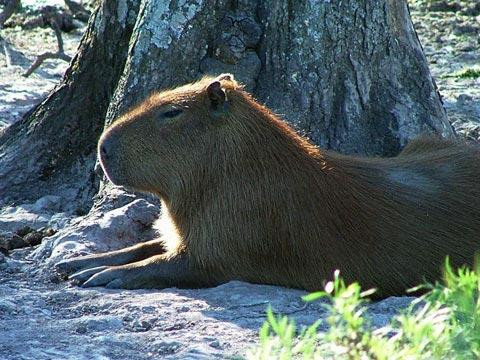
column 157, row 142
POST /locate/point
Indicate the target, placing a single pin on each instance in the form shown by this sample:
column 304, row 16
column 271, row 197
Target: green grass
column 442, row 324
column 469, row 73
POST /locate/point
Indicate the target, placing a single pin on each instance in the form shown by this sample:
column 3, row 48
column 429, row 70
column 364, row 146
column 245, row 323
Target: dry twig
column 60, row 54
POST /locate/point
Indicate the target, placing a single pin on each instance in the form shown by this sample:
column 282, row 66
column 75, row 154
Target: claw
column 91, row 283
column 101, row 278
column 82, row 276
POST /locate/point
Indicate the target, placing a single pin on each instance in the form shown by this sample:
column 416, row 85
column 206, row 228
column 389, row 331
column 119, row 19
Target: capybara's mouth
column 109, row 161
column 112, row 174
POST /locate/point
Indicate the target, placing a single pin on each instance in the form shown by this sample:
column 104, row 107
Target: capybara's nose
column 110, row 162
column 106, row 147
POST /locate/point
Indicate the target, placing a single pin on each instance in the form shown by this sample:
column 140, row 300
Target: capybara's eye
column 172, row 113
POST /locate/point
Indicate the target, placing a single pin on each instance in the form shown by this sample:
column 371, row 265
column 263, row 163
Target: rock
column 100, row 230
column 10, row 241
column 24, row 218
column 223, row 321
column 49, row 202
column 46, row 312
column 59, row 220
column 24, row 231
column 467, row 47
column 7, row 307
column 440, row 39
column 23, row 237
column 167, row 347
column 215, row 344
column 12, row 265
column 468, row 131
column 34, row 238
column 13, row 218
column 463, row 98
column 142, row 324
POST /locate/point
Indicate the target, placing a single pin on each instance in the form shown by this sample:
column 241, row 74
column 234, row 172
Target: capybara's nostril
column 107, row 147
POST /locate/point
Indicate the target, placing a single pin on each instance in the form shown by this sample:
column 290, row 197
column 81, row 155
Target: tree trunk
column 351, row 75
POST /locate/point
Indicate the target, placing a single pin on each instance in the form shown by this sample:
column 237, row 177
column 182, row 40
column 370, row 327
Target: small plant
column 442, row 324
column 469, row 73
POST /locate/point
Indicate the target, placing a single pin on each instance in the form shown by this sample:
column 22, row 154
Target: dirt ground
column 451, row 42
column 42, row 318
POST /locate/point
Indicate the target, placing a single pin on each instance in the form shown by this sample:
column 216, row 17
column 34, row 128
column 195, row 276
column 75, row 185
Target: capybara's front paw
column 112, row 277
column 131, row 276
column 70, row 266
column 82, row 276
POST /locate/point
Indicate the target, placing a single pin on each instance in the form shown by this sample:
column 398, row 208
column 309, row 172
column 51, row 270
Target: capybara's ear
column 216, row 94
column 226, row 77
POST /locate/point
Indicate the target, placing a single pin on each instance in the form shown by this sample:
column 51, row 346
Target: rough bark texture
column 354, row 71
column 351, row 75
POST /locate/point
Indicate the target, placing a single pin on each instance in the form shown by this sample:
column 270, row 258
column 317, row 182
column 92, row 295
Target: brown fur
column 248, row 198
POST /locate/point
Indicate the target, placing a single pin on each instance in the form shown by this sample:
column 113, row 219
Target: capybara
column 245, row 197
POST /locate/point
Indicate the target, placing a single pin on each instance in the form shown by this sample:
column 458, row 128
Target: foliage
column 442, row 324
column 469, row 73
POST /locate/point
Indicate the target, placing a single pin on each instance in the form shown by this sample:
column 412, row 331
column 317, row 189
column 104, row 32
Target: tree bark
column 354, row 73
column 351, row 75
